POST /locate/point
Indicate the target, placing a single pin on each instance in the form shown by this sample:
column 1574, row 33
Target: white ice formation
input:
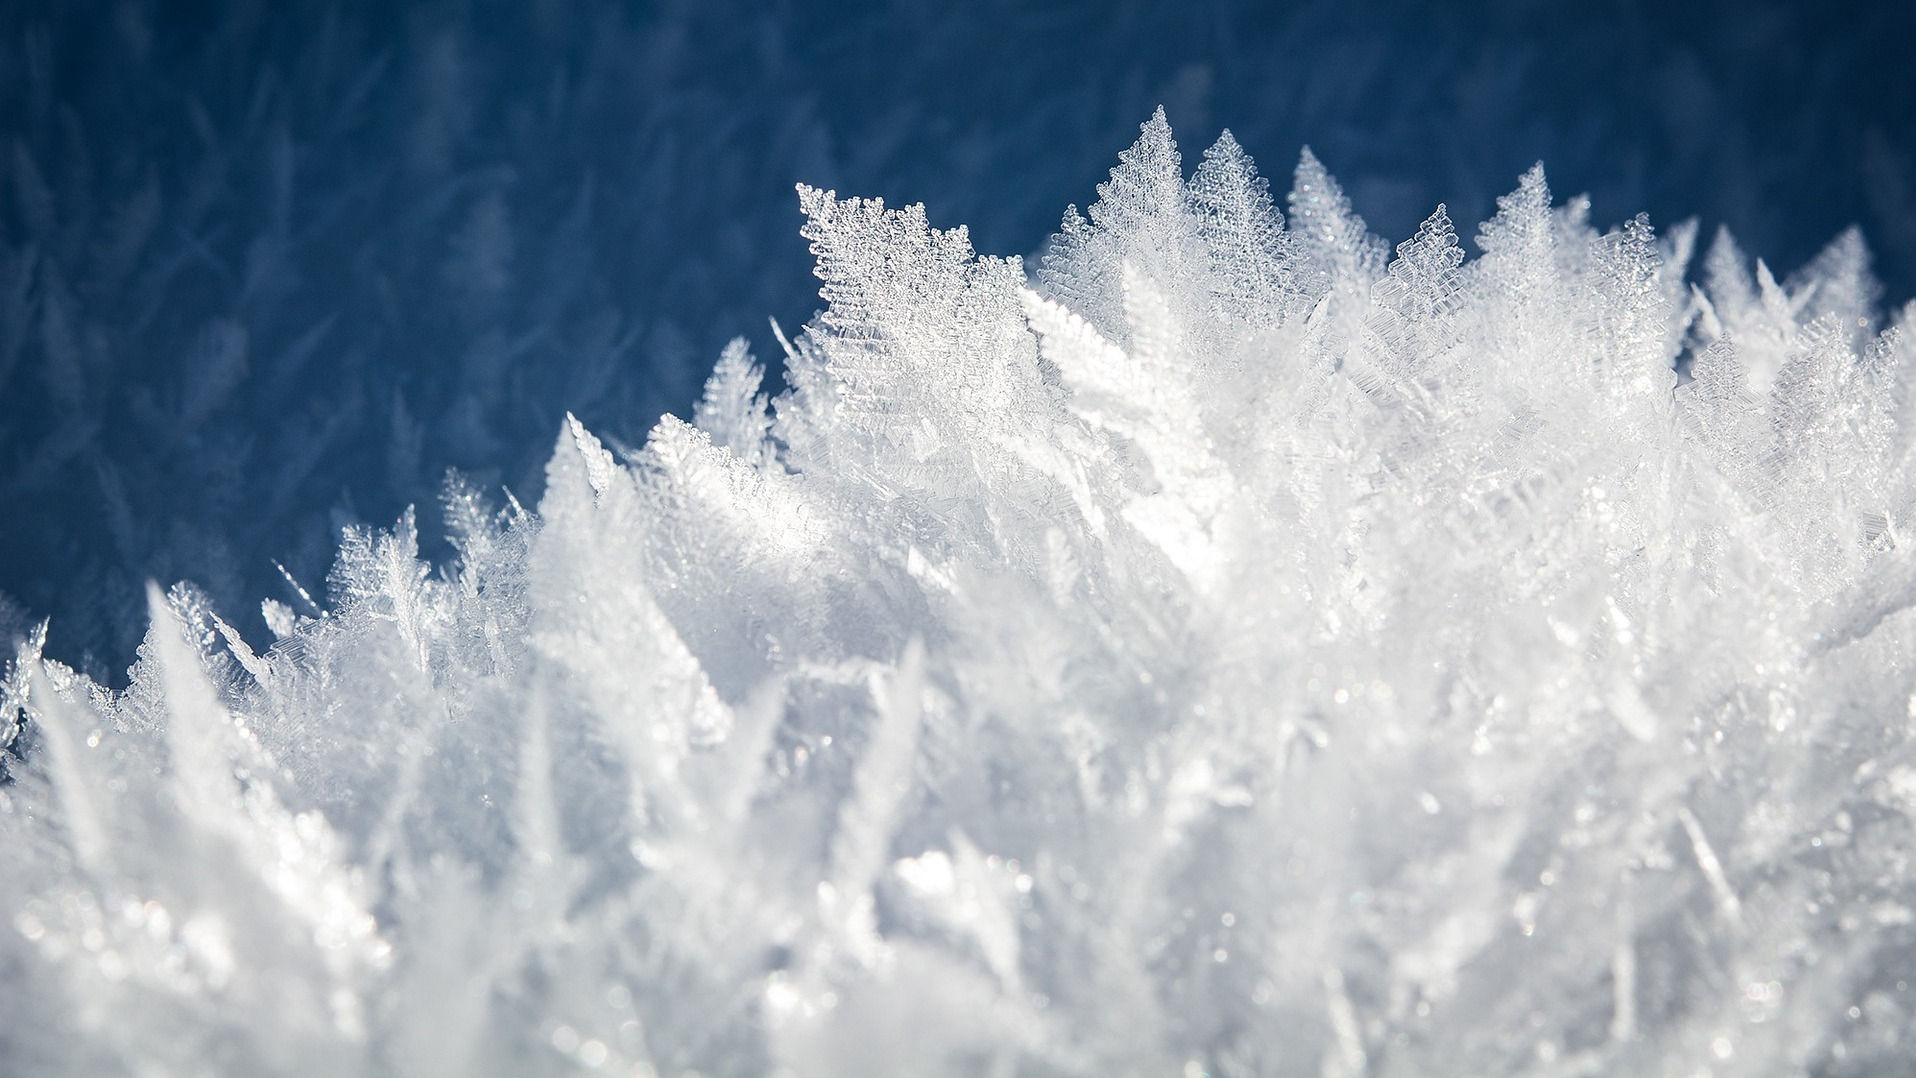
column 1235, row 649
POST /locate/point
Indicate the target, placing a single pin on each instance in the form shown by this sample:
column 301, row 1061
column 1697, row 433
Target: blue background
column 267, row 268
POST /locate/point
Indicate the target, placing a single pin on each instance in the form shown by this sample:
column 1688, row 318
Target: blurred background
column 269, row 267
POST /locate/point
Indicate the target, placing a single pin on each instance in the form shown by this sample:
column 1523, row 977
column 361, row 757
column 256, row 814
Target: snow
column 1234, row 650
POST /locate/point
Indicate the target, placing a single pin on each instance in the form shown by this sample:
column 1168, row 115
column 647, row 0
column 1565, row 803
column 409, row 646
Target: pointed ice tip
column 156, row 605
column 598, row 462
column 1154, row 143
column 1848, row 244
column 784, row 342
column 671, row 427
column 811, row 199
column 1311, row 179
column 1315, row 192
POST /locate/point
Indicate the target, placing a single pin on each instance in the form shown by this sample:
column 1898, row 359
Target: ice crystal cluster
column 1234, row 649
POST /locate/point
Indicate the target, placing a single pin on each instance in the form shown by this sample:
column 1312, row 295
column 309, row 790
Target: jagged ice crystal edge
column 1236, row 649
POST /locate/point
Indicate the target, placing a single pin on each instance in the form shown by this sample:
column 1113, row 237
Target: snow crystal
column 1238, row 649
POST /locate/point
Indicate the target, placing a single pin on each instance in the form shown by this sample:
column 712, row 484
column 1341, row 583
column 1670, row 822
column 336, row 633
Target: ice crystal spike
column 733, row 410
column 1335, row 243
column 1243, row 649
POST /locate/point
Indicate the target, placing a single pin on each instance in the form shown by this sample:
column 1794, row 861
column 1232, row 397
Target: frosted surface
column 1235, row 646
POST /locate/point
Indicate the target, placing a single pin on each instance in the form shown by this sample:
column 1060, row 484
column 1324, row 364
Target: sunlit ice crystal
column 1238, row 647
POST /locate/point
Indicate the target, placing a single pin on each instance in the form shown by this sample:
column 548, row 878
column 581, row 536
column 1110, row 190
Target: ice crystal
column 1237, row 651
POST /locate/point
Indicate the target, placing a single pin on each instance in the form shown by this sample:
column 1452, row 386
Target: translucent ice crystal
column 1238, row 650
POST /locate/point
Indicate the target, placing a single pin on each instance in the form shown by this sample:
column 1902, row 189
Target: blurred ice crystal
column 1235, row 651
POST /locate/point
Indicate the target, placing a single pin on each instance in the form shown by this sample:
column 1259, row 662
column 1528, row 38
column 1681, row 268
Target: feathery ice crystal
column 1234, row 649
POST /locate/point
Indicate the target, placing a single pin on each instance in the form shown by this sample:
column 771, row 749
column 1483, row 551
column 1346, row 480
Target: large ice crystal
column 1233, row 650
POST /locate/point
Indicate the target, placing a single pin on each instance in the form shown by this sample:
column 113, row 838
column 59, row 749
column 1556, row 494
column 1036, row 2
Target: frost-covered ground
column 1226, row 644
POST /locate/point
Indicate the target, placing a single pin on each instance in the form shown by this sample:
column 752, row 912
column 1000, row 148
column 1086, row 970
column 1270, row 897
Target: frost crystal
column 1238, row 651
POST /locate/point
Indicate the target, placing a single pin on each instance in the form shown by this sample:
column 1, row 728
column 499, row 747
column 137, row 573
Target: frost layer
column 1233, row 651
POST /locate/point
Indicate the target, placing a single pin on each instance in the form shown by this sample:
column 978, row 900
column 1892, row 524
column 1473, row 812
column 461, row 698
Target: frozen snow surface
column 1233, row 647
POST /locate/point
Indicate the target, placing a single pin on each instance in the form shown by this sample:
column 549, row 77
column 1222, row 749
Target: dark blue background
column 270, row 267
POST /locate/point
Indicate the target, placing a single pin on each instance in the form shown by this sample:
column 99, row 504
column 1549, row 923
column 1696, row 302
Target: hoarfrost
column 1235, row 652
